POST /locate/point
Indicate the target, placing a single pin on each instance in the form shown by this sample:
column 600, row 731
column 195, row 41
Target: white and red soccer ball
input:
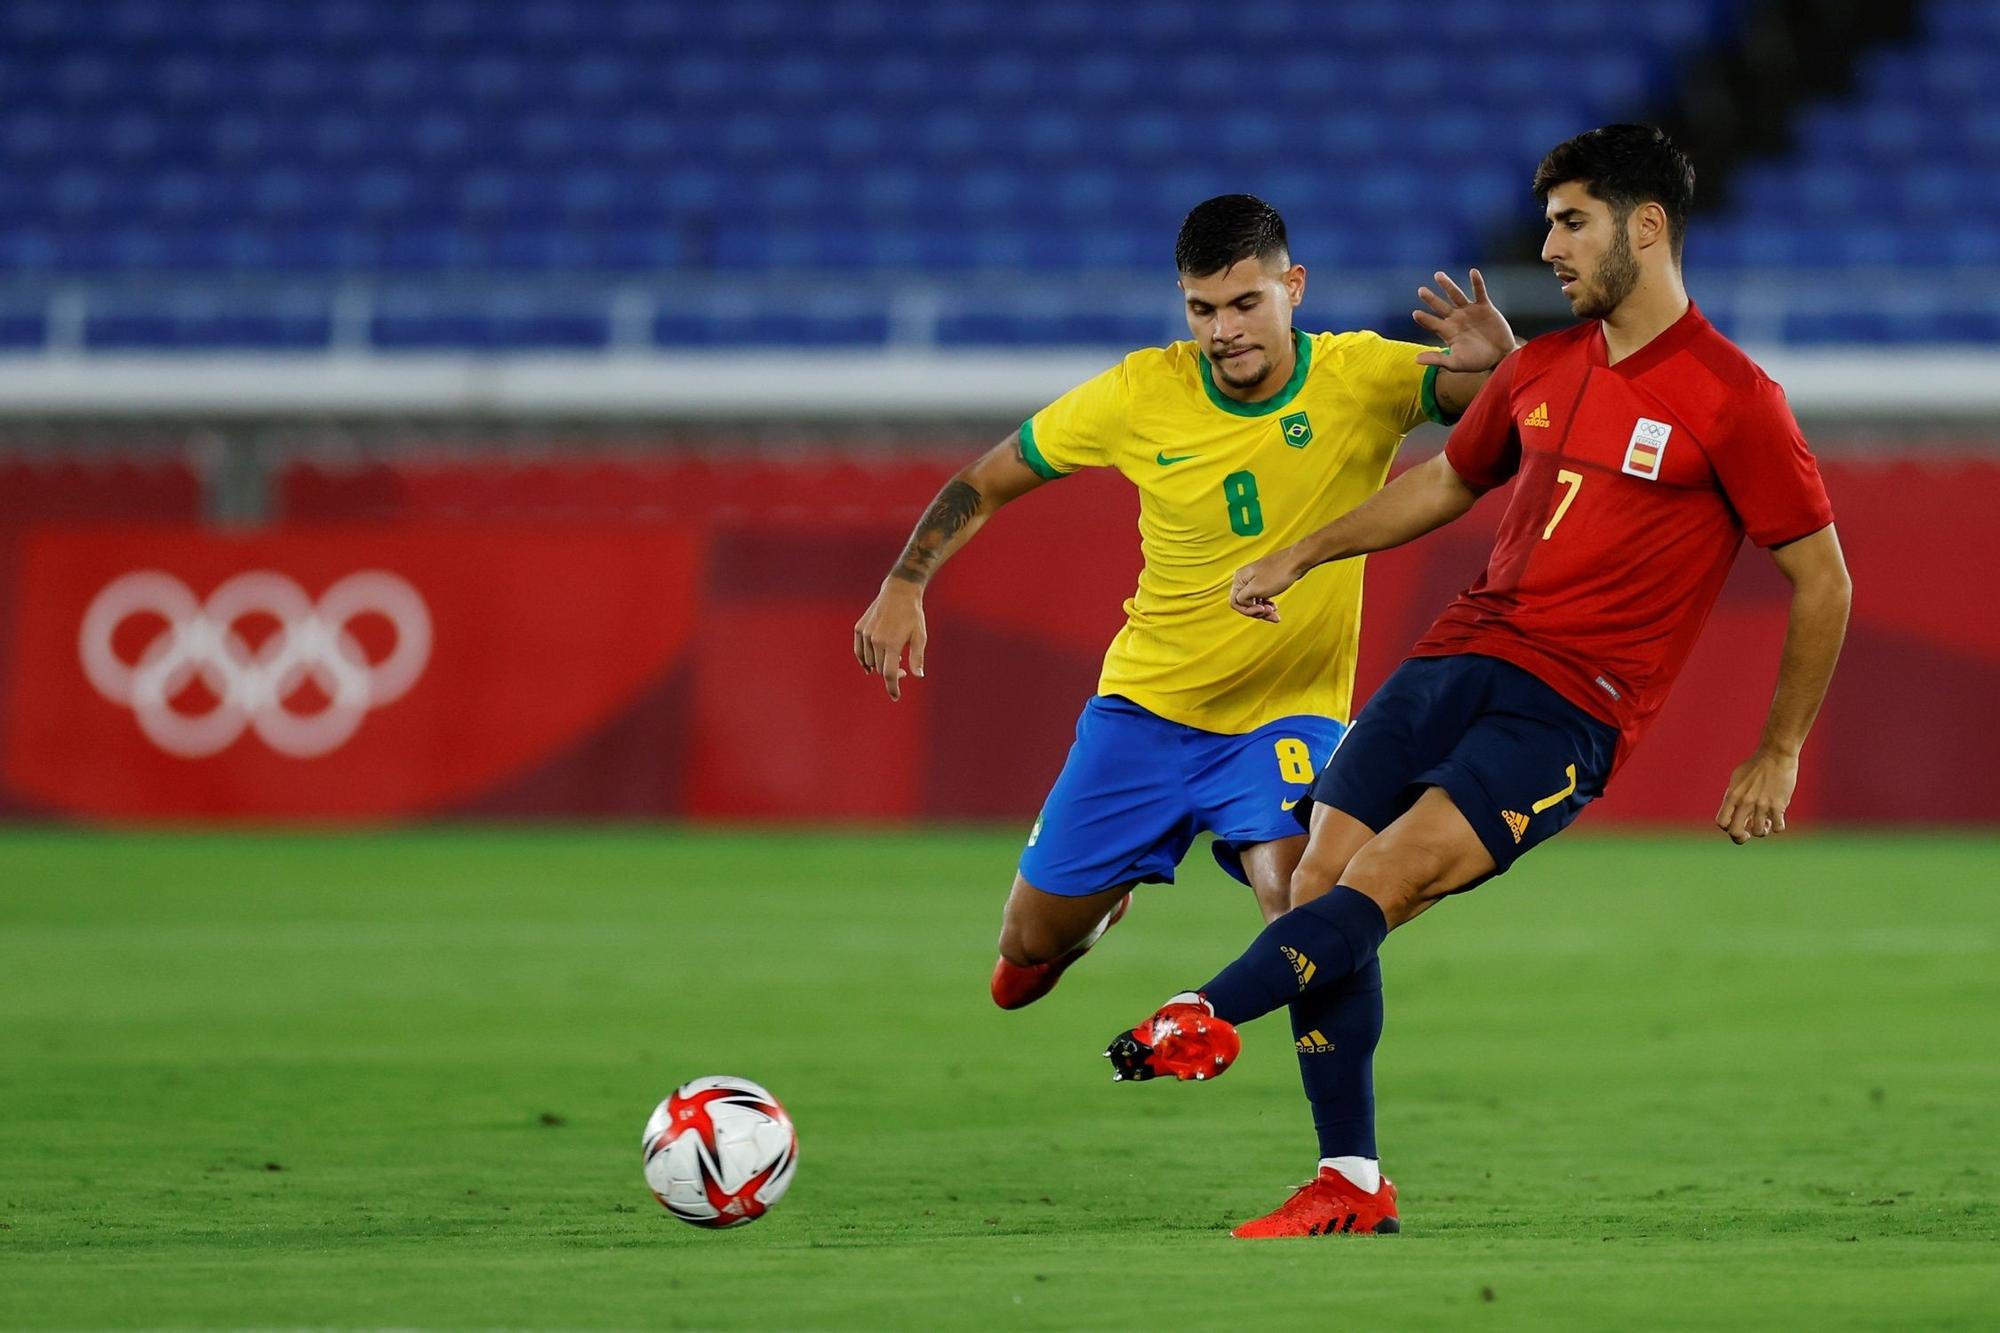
column 720, row 1152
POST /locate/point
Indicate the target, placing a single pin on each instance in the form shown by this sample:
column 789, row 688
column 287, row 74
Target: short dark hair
column 1625, row 166
column 1225, row 231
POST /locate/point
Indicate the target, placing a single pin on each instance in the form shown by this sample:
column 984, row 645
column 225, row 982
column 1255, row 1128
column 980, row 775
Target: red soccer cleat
column 1183, row 1038
column 1326, row 1205
column 1015, row 986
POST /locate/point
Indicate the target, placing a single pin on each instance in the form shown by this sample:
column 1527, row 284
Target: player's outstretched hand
column 893, row 621
column 1256, row 584
column 1759, row 791
column 1475, row 334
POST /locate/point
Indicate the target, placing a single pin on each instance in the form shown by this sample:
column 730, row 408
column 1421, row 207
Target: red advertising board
column 331, row 672
column 641, row 637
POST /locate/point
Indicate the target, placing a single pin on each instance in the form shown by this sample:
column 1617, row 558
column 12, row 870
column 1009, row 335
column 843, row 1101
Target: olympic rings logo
column 251, row 687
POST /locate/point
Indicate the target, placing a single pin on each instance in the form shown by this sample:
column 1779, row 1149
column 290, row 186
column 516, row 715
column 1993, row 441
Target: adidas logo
column 1517, row 822
column 1539, row 417
column 1314, row 1043
column 1302, row 966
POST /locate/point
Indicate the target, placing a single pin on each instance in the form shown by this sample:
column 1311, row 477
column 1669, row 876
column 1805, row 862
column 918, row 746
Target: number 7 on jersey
column 1573, row 480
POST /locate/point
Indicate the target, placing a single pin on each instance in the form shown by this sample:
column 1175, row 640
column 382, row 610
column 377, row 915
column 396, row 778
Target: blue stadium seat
column 819, row 323
column 23, row 330
column 30, row 250
column 32, row 24
column 1873, row 325
column 1955, row 20
column 998, row 192
column 1083, row 328
column 637, row 249
column 1116, row 248
column 489, row 322
column 195, row 321
column 452, row 21
column 237, row 22
column 1933, row 192
column 555, row 24
column 1107, row 79
column 1890, row 133
column 1841, row 191
column 1970, row 242
column 1713, row 245
column 1418, row 247
column 652, row 27
column 540, row 249
column 440, row 249
column 324, row 249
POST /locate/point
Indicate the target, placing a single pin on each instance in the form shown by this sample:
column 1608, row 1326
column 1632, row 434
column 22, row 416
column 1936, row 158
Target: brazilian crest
column 1298, row 430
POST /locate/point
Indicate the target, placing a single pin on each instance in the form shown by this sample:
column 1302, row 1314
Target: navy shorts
column 1517, row 759
column 1136, row 790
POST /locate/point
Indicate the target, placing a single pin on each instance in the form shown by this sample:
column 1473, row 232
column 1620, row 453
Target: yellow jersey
column 1222, row 483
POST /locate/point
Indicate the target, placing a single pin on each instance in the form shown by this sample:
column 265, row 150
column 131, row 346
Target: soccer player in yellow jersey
column 1241, row 441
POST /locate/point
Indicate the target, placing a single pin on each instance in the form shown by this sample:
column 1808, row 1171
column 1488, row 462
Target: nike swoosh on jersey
column 1162, row 459
column 1286, row 805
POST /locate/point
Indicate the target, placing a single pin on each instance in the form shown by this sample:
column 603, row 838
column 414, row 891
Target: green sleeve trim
column 1033, row 455
column 1432, row 408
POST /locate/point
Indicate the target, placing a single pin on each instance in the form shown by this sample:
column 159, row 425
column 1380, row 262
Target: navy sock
column 1336, row 1028
column 1312, row 947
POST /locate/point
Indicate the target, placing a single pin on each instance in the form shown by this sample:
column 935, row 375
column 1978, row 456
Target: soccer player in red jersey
column 1643, row 446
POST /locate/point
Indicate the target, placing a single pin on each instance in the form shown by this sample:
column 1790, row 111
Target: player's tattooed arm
column 894, row 621
column 954, row 507
column 1000, row 474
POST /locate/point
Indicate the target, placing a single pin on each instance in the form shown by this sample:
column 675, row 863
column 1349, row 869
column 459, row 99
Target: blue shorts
column 1517, row 759
column 1136, row 789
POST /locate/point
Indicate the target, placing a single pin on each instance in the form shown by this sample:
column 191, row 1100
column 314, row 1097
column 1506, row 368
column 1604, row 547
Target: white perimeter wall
column 1934, row 383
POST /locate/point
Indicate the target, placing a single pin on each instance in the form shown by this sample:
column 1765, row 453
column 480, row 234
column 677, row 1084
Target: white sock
column 1364, row 1172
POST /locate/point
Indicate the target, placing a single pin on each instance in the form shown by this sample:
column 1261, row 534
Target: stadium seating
column 216, row 174
column 400, row 156
column 1902, row 174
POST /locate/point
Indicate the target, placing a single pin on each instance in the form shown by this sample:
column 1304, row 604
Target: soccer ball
column 720, row 1152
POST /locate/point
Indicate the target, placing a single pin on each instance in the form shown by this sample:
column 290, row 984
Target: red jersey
column 1637, row 484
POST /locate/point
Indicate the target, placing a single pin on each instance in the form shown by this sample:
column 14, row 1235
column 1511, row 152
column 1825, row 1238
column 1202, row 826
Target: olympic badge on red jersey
column 1647, row 449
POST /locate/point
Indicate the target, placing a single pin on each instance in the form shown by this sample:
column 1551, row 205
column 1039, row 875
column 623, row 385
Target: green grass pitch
column 398, row 1080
